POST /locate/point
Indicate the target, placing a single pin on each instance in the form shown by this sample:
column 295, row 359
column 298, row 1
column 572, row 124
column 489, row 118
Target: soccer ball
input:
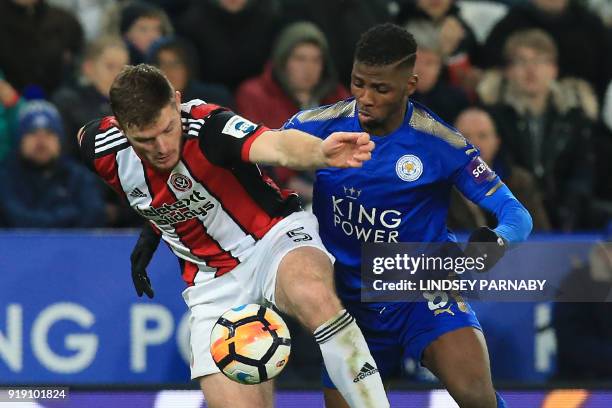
column 250, row 344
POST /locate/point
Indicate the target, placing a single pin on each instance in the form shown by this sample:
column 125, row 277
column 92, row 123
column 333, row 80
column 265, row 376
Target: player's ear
column 177, row 98
column 412, row 83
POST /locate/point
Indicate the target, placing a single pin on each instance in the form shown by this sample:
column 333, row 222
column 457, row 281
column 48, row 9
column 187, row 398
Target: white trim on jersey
column 131, row 176
column 186, row 107
column 193, row 126
column 113, row 135
column 219, row 225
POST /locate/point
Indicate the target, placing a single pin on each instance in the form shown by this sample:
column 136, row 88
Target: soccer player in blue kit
column 402, row 195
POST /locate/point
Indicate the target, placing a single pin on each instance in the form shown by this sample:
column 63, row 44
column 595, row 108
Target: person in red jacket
column 300, row 75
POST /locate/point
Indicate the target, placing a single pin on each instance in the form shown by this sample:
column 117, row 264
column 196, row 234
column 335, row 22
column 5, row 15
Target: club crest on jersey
column 238, row 127
column 409, row 167
column 181, row 182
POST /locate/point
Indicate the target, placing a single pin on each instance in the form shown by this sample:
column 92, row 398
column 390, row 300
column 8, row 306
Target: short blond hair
column 535, row 39
column 97, row 47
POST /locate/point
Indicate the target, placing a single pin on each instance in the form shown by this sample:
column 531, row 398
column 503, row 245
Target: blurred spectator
column 584, row 51
column 300, row 76
column 432, row 89
column 603, row 8
column 342, row 22
column 458, row 46
column 583, row 318
column 10, row 103
column 39, row 43
column 140, row 25
column 478, row 128
column 39, row 187
column 90, row 13
column 544, row 124
column 173, row 8
column 178, row 60
column 88, row 100
column 232, row 37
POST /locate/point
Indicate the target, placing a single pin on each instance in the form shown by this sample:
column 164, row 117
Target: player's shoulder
column 335, row 111
column 195, row 114
column 101, row 137
column 428, row 124
column 316, row 120
column 197, row 109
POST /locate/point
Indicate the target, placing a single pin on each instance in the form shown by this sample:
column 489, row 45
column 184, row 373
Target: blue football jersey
column 401, row 195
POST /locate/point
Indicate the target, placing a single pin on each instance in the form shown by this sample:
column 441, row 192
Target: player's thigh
column 305, row 288
column 296, row 272
column 460, row 360
column 221, row 392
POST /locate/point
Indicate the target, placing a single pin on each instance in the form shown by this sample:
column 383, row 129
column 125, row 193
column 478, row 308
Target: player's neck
column 393, row 122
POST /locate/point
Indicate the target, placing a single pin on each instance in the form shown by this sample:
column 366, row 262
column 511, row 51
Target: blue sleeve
column 514, row 223
column 483, row 187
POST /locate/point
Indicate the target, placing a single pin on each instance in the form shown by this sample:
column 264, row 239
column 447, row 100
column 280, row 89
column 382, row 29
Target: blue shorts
column 398, row 331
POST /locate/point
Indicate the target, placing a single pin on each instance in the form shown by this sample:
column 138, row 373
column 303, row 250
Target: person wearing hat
column 300, row 75
column 39, row 187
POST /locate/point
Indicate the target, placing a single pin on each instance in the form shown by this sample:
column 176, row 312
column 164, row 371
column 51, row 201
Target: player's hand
column 485, row 243
column 347, row 149
column 141, row 256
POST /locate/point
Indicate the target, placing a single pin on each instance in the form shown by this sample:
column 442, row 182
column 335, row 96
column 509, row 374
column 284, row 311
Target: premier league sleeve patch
column 480, row 171
column 239, row 127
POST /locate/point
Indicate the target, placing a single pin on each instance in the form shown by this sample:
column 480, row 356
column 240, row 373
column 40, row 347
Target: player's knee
column 316, row 303
column 473, row 393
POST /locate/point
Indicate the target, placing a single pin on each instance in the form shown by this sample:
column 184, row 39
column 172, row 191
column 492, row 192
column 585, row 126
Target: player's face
column 381, row 93
column 160, row 144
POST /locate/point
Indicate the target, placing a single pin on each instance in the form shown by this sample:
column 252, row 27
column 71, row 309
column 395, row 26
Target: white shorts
column 253, row 281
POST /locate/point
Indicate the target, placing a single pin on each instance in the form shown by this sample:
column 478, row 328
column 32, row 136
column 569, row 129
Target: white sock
column 349, row 362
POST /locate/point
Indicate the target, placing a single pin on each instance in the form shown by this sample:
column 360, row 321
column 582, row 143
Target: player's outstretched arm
column 298, row 150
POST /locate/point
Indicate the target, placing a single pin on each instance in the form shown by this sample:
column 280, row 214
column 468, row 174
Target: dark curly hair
column 386, row 44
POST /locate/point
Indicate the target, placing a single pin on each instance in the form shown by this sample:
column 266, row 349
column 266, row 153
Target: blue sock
column 500, row 401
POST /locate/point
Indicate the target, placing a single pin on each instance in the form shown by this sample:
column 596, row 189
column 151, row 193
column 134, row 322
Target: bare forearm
column 301, row 151
column 288, row 148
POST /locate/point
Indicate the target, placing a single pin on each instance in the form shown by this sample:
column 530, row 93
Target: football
column 250, row 344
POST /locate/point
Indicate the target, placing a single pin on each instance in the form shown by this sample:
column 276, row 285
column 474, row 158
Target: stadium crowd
column 533, row 91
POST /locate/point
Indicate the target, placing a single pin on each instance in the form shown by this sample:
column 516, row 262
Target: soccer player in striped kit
column 191, row 170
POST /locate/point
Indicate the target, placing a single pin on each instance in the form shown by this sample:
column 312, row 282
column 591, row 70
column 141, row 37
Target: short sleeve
column 226, row 137
column 86, row 140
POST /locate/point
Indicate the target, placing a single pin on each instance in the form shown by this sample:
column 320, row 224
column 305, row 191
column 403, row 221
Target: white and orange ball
column 250, row 344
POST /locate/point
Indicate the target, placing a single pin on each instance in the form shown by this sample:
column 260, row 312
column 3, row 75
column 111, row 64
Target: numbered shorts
column 253, row 281
column 396, row 332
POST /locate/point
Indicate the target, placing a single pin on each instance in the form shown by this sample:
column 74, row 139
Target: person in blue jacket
column 41, row 188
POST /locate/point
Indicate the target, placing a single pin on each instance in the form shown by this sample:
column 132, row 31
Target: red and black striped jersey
column 213, row 206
